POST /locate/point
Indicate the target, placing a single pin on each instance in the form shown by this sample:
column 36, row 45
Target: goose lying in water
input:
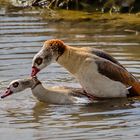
column 98, row 73
column 55, row 95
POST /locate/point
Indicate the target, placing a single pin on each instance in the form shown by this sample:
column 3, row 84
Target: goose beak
column 7, row 93
column 35, row 70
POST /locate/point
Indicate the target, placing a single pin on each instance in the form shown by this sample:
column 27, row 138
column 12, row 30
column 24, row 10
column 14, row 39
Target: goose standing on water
column 99, row 74
column 55, row 95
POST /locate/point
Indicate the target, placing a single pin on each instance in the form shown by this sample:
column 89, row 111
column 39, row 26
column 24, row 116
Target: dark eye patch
column 38, row 60
column 15, row 84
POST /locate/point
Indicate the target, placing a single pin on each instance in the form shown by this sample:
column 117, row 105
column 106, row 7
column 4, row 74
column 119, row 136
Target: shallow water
column 22, row 33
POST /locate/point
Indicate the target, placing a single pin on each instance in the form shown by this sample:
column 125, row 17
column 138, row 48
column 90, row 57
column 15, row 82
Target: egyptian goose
column 98, row 73
column 55, row 95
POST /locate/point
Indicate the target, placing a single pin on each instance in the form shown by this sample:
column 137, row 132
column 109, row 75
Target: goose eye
column 15, row 85
column 38, row 60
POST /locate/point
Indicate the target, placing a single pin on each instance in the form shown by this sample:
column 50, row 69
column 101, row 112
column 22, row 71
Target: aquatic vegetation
column 90, row 5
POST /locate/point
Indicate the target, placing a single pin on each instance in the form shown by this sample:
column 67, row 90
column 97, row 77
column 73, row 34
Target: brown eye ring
column 39, row 61
column 15, row 85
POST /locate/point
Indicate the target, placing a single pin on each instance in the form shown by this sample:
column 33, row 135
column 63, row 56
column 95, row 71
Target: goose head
column 20, row 85
column 49, row 53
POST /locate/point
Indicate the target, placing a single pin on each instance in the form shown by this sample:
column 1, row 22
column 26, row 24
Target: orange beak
column 7, row 93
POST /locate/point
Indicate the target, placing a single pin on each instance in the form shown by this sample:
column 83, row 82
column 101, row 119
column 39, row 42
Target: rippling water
column 22, row 117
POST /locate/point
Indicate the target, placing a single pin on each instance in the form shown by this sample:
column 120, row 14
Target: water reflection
column 22, row 117
column 61, row 121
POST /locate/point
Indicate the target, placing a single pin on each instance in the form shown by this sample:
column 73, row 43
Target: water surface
column 22, row 33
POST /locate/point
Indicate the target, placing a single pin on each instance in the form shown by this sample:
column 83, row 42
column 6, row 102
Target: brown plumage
column 117, row 73
column 98, row 72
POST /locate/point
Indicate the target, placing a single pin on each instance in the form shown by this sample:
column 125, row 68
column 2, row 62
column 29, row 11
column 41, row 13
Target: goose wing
column 117, row 73
column 103, row 54
column 114, row 72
